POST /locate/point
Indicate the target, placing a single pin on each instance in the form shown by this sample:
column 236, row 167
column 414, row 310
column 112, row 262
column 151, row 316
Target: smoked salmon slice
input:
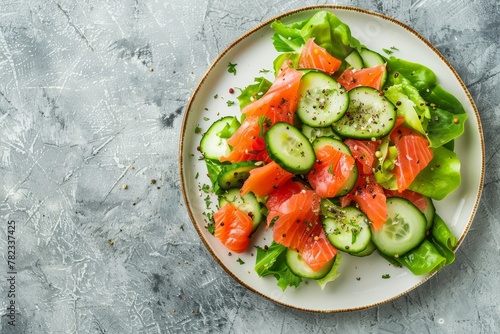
column 318, row 250
column 246, row 142
column 279, row 196
column 330, row 171
column 414, row 154
column 371, row 77
column 263, row 180
column 316, row 57
column 364, row 153
column 297, row 215
column 298, row 227
column 233, row 227
column 371, row 199
column 280, row 101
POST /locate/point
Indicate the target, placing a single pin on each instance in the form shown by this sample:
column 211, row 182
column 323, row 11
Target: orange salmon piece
column 330, row 171
column 371, row 77
column 233, row 227
column 316, row 57
column 280, row 101
column 264, row 180
column 364, row 153
column 318, row 250
column 414, row 154
column 371, row 199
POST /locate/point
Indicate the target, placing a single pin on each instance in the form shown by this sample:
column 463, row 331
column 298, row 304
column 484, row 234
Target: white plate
column 360, row 284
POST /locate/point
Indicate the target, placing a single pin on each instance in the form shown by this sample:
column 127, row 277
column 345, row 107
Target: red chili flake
column 231, row 90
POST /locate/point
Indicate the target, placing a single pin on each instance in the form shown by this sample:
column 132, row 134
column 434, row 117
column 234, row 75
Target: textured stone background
column 92, row 95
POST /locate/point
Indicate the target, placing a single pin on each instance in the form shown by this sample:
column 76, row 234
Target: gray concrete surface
column 92, row 95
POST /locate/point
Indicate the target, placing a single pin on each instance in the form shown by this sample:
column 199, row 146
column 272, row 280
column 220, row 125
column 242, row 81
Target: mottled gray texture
column 92, row 96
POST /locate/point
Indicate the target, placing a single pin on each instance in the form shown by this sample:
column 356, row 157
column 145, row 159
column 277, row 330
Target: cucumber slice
column 247, row 203
column 429, row 212
column 370, row 115
column 322, row 100
column 348, row 230
column 234, row 175
column 339, row 145
column 313, row 133
column 403, row 230
column 289, row 148
column 300, row 268
column 371, row 58
column 214, row 144
column 370, row 248
column 354, row 60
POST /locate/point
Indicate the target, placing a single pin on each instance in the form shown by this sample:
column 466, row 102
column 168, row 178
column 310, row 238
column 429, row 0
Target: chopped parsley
column 210, row 227
column 205, row 188
column 240, row 261
column 208, row 202
column 386, row 276
column 231, row 68
column 390, row 50
column 216, row 96
column 230, row 103
column 264, row 71
column 197, row 129
column 210, row 222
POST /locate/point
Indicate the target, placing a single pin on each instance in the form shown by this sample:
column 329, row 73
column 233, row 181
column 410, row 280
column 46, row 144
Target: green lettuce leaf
column 440, row 177
column 442, row 238
column 253, row 91
column 288, row 38
column 333, row 273
column 444, row 126
column 424, row 259
column 287, row 56
column 385, row 164
column 327, row 30
column 331, row 33
column 420, row 76
column 409, row 104
column 443, row 99
column 229, row 129
column 214, row 168
column 272, row 262
column 425, row 80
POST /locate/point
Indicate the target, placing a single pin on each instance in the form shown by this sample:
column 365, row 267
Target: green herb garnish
column 231, row 68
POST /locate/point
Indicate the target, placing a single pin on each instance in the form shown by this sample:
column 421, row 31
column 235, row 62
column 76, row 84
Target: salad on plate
column 342, row 153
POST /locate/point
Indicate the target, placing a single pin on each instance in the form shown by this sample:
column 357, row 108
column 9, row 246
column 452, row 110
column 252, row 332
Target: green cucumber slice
column 300, row 267
column 234, row 175
column 290, row 148
column 322, row 100
column 348, row 229
column 403, row 230
column 354, row 60
column 214, row 144
column 370, row 115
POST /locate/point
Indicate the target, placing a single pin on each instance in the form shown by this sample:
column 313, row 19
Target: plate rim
column 263, row 25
